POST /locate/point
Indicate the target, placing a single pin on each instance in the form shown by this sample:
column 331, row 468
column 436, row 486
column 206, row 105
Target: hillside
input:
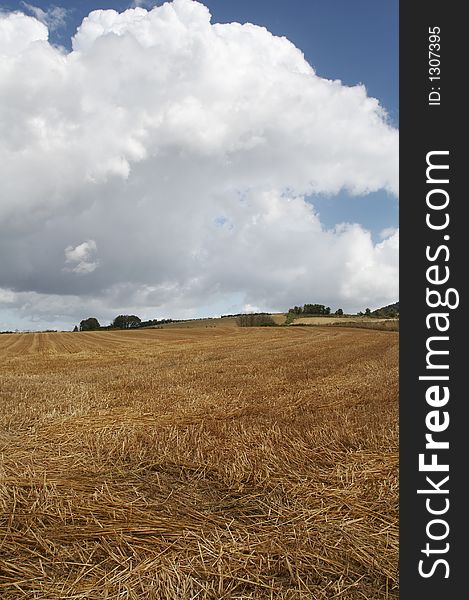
column 213, row 322
column 389, row 311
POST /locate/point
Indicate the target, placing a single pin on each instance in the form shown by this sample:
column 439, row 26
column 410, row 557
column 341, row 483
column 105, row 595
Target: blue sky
column 78, row 268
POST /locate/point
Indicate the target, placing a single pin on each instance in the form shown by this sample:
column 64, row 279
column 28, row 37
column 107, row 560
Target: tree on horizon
column 126, row 322
column 90, row 324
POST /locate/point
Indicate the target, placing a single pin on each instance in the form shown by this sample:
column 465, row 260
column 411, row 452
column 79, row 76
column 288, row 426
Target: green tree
column 339, row 312
column 126, row 322
column 75, row 328
column 315, row 309
column 255, row 320
column 367, row 312
column 90, row 324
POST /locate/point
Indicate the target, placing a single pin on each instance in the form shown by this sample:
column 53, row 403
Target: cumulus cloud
column 18, row 32
column 183, row 150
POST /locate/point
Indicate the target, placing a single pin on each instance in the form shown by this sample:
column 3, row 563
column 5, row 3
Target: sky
column 194, row 159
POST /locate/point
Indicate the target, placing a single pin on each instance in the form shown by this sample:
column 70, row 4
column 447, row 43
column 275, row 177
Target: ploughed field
column 209, row 463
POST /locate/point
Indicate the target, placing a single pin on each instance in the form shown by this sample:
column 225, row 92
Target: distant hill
column 391, row 310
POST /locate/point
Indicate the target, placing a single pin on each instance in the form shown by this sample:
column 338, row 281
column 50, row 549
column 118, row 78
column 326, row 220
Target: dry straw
column 199, row 464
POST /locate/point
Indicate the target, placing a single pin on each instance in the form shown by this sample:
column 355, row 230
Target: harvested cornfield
column 386, row 324
column 214, row 463
column 381, row 324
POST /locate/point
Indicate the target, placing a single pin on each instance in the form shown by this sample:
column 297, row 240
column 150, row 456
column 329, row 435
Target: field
column 208, row 463
column 224, row 322
column 350, row 321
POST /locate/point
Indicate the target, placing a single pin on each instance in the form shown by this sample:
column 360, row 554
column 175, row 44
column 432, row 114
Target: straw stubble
column 206, row 463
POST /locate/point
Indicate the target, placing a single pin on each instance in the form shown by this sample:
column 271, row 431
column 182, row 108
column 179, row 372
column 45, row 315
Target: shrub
column 258, row 320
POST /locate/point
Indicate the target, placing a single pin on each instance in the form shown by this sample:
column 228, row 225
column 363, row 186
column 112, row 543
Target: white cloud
column 143, row 3
column 7, row 296
column 387, row 232
column 18, row 33
column 183, row 150
column 249, row 308
column 55, row 17
column 82, row 257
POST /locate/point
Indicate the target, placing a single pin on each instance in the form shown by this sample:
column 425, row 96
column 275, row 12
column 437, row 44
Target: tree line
column 120, row 322
column 313, row 309
column 255, row 320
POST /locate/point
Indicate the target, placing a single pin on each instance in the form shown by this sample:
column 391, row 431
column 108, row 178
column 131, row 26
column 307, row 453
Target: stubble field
column 210, row 463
